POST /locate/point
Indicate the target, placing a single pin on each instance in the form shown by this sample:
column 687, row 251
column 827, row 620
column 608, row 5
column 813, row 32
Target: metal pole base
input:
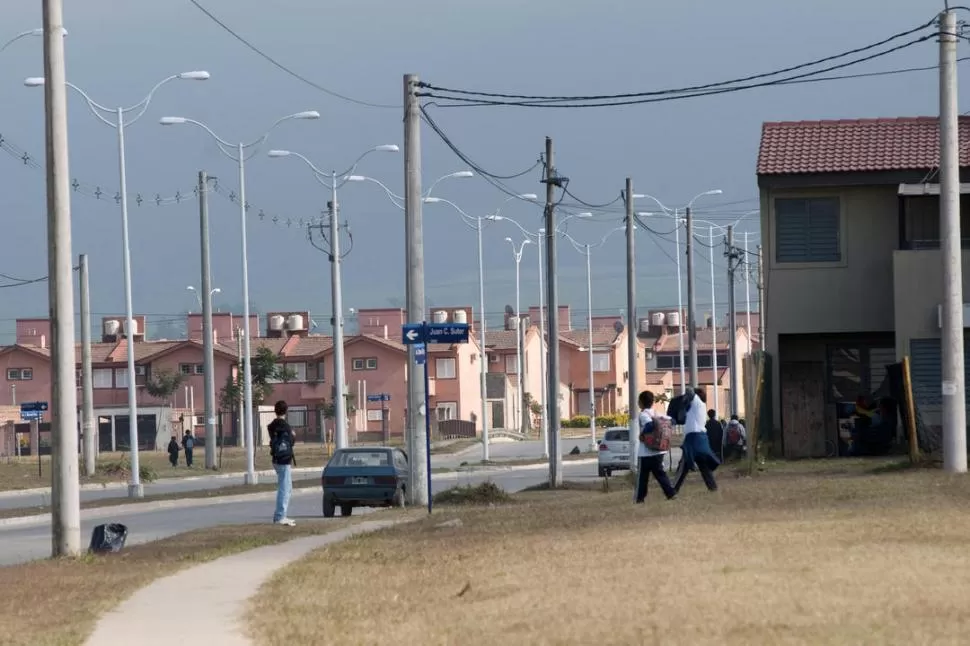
column 251, row 479
column 136, row 491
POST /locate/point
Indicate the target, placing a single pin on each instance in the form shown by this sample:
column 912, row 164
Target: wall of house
column 390, row 377
column 469, row 383
column 855, row 294
column 16, row 392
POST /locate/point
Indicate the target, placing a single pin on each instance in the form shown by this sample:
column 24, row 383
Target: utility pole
column 336, row 298
column 732, row 257
column 208, row 368
column 240, row 374
column 65, row 488
column 523, row 404
column 691, row 302
column 716, row 386
column 952, row 388
column 88, row 427
column 761, row 301
column 413, row 232
column 552, row 180
column 484, row 355
column 631, row 328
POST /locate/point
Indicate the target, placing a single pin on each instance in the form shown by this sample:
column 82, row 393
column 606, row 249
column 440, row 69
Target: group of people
column 696, row 448
column 188, row 445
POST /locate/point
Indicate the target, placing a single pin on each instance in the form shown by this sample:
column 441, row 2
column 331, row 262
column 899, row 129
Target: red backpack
column 656, row 435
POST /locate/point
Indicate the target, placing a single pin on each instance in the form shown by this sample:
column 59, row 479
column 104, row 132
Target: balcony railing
column 921, row 245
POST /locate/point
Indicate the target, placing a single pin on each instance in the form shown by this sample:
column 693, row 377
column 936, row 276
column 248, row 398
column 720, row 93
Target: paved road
column 24, row 543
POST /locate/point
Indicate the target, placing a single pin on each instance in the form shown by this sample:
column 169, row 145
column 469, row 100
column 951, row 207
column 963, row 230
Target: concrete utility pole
column 761, row 301
column 88, row 425
column 732, row 257
column 952, row 388
column 208, row 368
column 240, row 373
column 414, row 238
column 714, row 323
column 691, row 301
column 631, row 329
column 65, row 489
column 552, row 180
column 336, row 299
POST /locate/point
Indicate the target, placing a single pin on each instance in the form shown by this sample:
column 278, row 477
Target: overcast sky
column 118, row 50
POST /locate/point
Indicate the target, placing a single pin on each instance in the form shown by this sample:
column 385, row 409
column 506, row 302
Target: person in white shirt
column 650, row 460
column 697, row 448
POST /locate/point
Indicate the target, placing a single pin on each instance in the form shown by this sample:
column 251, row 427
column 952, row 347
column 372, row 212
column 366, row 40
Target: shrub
column 483, row 494
column 121, row 469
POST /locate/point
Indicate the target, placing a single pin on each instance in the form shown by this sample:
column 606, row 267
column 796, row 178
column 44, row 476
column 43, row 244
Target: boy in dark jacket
column 188, row 443
column 281, row 440
column 715, row 432
column 173, row 451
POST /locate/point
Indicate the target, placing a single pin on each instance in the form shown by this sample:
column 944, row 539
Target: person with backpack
column 736, row 438
column 696, row 448
column 281, row 440
column 188, row 443
column 715, row 432
column 651, row 448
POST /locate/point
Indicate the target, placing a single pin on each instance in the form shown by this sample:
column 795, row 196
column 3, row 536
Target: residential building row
column 375, row 375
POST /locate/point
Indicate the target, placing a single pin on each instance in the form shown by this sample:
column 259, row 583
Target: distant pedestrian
column 188, row 443
column 736, row 439
column 715, row 432
column 651, row 461
column 173, row 451
column 696, row 448
column 281, row 440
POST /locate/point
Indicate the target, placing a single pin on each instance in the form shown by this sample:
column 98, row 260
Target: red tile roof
column 602, row 337
column 854, row 145
column 704, row 339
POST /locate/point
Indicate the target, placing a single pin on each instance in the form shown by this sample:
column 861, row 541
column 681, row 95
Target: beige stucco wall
column 918, row 285
column 855, row 294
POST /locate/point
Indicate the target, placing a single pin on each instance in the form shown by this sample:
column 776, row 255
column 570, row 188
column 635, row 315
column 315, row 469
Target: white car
column 614, row 451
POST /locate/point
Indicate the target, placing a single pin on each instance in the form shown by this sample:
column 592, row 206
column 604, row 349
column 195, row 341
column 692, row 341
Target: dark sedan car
column 364, row 477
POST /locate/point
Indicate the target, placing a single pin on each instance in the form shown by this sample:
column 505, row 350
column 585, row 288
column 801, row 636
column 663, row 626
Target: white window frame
column 200, row 368
column 451, row 409
column 297, row 416
column 20, row 374
column 186, row 369
column 106, row 378
column 299, row 370
column 370, row 363
column 121, row 377
column 375, row 414
column 440, row 373
column 598, row 358
column 511, row 364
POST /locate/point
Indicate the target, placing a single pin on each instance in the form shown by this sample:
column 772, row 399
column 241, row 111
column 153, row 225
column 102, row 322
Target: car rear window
column 616, row 436
column 361, row 459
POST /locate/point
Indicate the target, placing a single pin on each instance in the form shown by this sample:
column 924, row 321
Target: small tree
column 164, row 384
column 265, row 371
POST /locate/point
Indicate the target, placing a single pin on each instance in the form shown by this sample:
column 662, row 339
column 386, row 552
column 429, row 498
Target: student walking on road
column 281, row 439
column 697, row 448
column 173, row 452
column 188, row 443
column 651, row 460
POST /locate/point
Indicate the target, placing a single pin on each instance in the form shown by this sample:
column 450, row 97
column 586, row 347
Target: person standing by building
column 281, row 440
column 188, row 443
column 697, row 448
column 651, row 461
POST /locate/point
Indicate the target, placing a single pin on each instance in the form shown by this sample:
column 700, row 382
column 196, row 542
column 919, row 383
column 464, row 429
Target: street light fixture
column 336, row 290
column 135, row 488
column 240, row 153
column 26, row 34
column 199, row 296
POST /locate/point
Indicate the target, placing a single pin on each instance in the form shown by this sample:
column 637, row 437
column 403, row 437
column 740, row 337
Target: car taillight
column 333, row 481
column 604, row 447
column 385, row 480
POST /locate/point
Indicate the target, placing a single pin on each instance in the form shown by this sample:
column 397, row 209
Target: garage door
column 926, row 370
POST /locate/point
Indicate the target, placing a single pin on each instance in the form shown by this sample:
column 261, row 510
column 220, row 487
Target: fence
column 756, row 373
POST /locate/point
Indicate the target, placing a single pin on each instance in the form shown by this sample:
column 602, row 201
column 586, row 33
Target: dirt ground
column 829, row 552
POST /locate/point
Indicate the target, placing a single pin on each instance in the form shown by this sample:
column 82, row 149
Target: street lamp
column 517, row 255
column 586, row 249
column 135, row 488
column 395, row 198
column 199, row 296
column 339, row 396
column 25, row 34
column 243, row 151
column 531, row 197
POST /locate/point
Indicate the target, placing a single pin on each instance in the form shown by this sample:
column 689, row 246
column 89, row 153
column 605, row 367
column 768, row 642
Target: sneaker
column 288, row 522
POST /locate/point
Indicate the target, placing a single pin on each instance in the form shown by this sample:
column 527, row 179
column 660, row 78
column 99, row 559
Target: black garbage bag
column 109, row 538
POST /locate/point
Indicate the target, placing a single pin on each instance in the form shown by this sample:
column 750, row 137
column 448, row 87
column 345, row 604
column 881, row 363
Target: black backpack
column 677, row 407
column 281, row 448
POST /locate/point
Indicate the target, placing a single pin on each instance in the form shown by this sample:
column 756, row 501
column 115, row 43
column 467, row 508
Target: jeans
column 284, row 487
column 707, row 473
column 188, row 457
column 653, row 464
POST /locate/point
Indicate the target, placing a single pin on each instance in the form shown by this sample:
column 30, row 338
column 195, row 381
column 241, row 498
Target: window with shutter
column 807, row 229
column 926, row 370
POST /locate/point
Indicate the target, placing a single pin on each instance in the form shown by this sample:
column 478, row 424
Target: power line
column 284, row 68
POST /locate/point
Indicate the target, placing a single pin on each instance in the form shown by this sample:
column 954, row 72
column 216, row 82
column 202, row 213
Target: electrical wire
column 23, row 282
column 284, row 68
column 592, row 206
column 706, row 86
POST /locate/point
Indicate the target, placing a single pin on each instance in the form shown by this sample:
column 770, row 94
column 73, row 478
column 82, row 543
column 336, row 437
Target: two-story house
column 852, row 267
column 506, row 409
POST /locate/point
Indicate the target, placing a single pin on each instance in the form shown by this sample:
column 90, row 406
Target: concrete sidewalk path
column 224, row 586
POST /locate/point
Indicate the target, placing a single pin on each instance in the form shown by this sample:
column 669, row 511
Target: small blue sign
column 447, row 333
column 379, row 397
column 33, row 407
column 30, row 415
column 420, row 354
column 412, row 333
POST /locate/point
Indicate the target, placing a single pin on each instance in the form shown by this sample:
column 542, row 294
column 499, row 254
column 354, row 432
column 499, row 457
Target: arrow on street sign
column 413, row 333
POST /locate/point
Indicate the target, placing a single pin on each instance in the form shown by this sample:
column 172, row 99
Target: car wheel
column 329, row 508
column 602, row 472
column 346, row 510
column 398, row 500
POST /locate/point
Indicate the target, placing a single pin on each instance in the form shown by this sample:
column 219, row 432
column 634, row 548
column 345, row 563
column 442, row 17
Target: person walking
column 188, row 443
column 173, row 451
column 715, row 433
column 651, row 461
column 696, row 448
column 281, row 440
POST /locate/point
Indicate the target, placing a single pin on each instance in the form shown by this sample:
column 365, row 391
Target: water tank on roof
column 111, row 327
column 440, row 316
column 276, row 322
column 295, row 322
column 460, row 316
column 657, row 319
column 134, row 325
column 644, row 325
column 673, row 319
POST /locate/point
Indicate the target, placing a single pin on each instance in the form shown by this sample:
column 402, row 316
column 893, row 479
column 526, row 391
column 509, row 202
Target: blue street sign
column 29, row 415
column 33, row 407
column 447, row 333
column 412, row 333
column 379, row 397
column 420, row 354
